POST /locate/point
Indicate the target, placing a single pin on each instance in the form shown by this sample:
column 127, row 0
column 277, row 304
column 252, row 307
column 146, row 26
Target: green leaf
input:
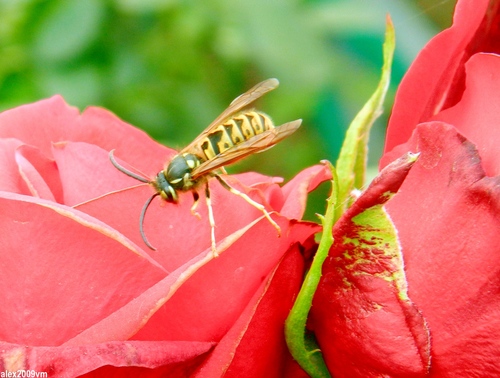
column 351, row 164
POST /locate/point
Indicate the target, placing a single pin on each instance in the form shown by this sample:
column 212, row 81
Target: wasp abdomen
column 235, row 131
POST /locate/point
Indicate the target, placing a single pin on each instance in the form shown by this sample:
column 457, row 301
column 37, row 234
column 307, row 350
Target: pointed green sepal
column 351, row 164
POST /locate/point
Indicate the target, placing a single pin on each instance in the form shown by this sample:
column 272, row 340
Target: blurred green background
column 171, row 66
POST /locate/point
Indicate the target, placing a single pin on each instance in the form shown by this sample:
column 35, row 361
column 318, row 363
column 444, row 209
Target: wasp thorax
column 178, row 172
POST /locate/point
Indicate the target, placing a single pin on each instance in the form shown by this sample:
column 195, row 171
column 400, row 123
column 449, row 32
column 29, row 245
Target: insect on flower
column 233, row 135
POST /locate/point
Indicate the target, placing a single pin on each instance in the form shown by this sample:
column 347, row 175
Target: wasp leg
column 196, row 198
column 250, row 201
column 211, row 220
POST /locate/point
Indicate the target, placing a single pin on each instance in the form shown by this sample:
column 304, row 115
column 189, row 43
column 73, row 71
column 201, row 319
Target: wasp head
column 164, row 189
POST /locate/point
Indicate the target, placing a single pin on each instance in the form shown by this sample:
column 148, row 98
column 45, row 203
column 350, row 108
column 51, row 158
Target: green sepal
column 351, row 164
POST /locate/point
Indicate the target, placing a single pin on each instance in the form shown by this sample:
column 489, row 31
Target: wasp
column 238, row 132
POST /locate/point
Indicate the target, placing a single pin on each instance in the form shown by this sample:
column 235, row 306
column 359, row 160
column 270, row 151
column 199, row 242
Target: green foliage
column 171, row 66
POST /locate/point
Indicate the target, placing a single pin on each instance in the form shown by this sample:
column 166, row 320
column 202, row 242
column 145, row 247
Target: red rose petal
column 447, row 218
column 41, row 123
column 436, row 76
column 165, row 306
column 296, row 190
column 124, row 322
column 269, row 187
column 63, row 271
column 223, row 288
column 256, row 344
column 11, row 179
column 49, row 121
column 256, row 179
column 171, row 228
column 130, row 358
column 133, row 145
column 477, row 115
column 40, row 174
column 86, row 172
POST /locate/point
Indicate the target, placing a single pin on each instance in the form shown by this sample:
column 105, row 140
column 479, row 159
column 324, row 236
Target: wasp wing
column 258, row 143
column 238, row 104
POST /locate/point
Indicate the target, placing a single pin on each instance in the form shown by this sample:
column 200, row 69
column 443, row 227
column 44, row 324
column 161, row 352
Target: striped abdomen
column 235, row 131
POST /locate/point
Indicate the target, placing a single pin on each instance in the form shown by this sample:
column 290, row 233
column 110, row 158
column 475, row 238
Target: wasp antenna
column 124, row 170
column 141, row 221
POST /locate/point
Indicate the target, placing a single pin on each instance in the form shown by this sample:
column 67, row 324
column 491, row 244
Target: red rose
column 80, row 290
column 428, row 305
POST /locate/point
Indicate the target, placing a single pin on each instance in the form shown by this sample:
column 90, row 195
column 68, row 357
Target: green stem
column 306, row 351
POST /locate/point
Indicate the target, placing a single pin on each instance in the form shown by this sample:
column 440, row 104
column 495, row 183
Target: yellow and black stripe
column 235, row 131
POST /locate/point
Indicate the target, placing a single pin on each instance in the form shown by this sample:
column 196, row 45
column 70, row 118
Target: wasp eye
column 169, row 194
column 164, row 188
